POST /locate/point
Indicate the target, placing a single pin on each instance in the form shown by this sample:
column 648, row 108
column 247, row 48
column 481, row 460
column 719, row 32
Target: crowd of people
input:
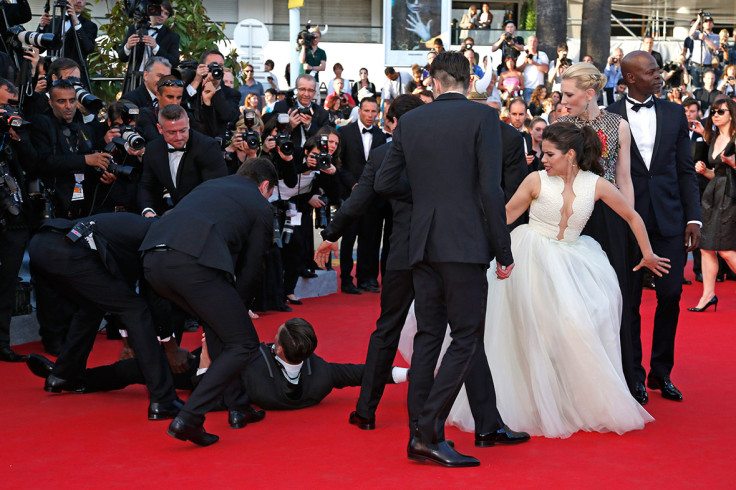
column 191, row 202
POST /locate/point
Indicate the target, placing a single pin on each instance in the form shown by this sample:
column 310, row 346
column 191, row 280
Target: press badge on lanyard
column 78, row 194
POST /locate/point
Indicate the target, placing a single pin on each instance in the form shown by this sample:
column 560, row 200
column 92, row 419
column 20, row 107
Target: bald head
column 642, row 75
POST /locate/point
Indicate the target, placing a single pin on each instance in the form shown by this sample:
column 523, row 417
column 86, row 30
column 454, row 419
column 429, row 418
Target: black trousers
column 12, row 248
column 82, row 277
column 668, row 290
column 370, row 230
column 208, row 294
column 454, row 293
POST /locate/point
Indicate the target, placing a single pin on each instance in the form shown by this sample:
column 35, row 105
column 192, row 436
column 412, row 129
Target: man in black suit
column 178, row 162
column 146, row 94
column 458, row 224
column 205, row 256
column 517, row 118
column 666, row 197
column 170, row 90
column 79, row 33
column 286, row 374
column 209, row 99
column 357, row 140
column 98, row 273
column 306, row 117
column 157, row 40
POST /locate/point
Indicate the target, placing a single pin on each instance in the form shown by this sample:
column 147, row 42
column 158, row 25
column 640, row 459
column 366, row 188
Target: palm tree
column 551, row 25
column 595, row 37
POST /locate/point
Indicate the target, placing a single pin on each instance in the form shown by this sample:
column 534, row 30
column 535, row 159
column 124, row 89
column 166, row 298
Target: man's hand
column 306, row 120
column 295, row 118
column 132, row 41
column 149, row 41
column 692, row 237
column 126, row 352
column 149, row 214
column 33, row 55
column 316, row 202
column 322, row 254
column 99, row 160
column 111, row 133
column 72, row 14
column 45, row 19
column 503, row 271
column 204, row 357
column 208, row 91
column 529, row 159
column 107, row 178
column 177, row 357
column 41, row 85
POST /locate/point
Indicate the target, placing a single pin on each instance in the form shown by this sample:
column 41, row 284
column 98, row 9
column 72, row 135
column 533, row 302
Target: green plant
column 528, row 16
column 197, row 33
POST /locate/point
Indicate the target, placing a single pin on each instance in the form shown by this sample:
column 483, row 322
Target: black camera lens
column 252, row 139
column 216, row 70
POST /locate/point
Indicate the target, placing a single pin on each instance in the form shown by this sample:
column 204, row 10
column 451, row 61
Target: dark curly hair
column 584, row 141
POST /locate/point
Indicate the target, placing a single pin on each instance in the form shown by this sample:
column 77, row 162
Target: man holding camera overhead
column 210, row 100
column 705, row 44
column 154, row 40
column 178, row 162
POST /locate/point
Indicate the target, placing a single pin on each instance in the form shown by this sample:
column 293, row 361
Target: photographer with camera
column 509, row 44
column 151, row 38
column 705, row 43
column 245, row 142
column 612, row 72
column 306, row 117
column 534, row 64
column 562, row 63
column 212, row 102
column 313, row 59
column 675, row 73
column 17, row 217
column 76, row 31
column 727, row 83
column 339, row 104
column 178, row 162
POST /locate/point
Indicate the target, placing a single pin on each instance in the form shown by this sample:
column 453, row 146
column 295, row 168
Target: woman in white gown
column 551, row 335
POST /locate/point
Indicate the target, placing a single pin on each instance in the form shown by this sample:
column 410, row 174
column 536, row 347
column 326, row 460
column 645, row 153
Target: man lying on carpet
column 305, row 378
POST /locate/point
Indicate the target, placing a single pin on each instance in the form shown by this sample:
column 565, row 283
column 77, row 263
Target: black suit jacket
column 514, row 162
column 454, row 172
column 352, row 154
column 203, row 160
column 666, row 194
column 87, row 35
column 225, row 223
column 57, row 163
column 139, row 97
column 320, row 118
column 168, row 46
column 361, row 199
column 148, row 119
column 269, row 389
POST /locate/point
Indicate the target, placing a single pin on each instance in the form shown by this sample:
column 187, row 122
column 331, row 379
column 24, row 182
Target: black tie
column 636, row 106
column 155, row 104
column 174, row 150
column 367, row 130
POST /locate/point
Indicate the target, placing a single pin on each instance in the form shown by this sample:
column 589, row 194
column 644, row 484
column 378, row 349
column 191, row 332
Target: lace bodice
column 606, row 125
column 545, row 213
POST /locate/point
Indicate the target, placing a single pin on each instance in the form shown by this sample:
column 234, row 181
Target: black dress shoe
column 56, row 385
column 504, row 435
column 163, row 411
column 362, row 422
column 283, row 308
column 8, row 355
column 369, row 288
column 640, row 394
column 350, row 289
column 39, row 365
column 665, row 386
column 699, row 277
column 440, row 453
column 240, row 418
column 185, row 432
column 686, row 282
column 53, row 346
column 307, row 274
column 373, row 282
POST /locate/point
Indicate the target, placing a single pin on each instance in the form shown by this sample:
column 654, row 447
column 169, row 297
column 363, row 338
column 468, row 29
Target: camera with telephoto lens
column 17, row 38
column 251, row 137
column 89, row 101
column 132, row 138
column 306, row 37
column 322, row 219
column 282, row 139
column 118, row 149
column 276, row 239
column 216, row 70
column 324, row 159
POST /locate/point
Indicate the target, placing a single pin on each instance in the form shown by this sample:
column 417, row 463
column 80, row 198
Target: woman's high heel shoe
column 293, row 301
column 713, row 301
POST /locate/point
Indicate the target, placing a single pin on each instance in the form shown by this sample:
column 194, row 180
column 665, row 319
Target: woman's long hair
column 711, row 133
column 584, row 141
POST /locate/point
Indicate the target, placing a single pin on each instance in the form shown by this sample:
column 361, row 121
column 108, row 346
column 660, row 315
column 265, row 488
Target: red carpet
column 104, row 440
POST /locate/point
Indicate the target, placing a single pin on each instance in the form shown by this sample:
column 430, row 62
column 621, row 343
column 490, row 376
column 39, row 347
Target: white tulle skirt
column 552, row 341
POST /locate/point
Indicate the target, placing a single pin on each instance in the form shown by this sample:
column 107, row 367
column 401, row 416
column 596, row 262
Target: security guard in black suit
column 95, row 263
column 205, row 255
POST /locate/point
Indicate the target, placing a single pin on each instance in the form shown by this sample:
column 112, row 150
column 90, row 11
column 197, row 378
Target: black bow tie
column 174, row 150
column 636, row 105
column 367, row 130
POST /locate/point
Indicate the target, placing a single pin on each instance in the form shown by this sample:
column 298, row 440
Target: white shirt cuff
column 143, row 213
column 700, row 224
column 399, row 374
column 123, row 333
column 191, row 91
column 201, row 371
column 78, row 26
column 127, row 50
column 155, row 50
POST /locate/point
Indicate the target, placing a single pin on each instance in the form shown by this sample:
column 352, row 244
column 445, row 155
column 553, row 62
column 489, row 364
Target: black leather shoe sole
column 368, row 288
column 350, row 290
column 361, row 422
column 184, row 432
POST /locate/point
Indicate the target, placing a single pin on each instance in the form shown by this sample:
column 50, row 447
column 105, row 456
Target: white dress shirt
column 367, row 139
column 643, row 125
column 174, row 161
